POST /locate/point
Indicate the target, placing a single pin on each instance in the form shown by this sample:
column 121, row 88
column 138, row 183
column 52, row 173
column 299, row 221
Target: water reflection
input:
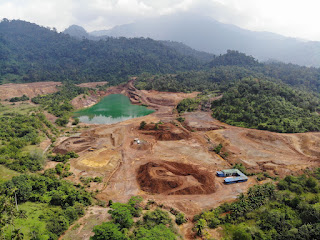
column 112, row 109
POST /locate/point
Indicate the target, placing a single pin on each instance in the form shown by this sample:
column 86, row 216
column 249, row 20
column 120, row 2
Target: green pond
column 111, row 109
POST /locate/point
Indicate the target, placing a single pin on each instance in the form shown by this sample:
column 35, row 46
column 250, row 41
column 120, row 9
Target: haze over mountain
column 80, row 33
column 209, row 35
column 77, row 31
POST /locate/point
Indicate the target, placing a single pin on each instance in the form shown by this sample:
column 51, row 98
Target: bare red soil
column 166, row 132
column 172, row 178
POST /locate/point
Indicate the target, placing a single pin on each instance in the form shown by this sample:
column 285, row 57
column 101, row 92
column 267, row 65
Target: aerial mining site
column 167, row 161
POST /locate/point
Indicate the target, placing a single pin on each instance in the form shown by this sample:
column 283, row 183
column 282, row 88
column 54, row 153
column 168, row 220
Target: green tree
column 200, row 226
column 159, row 232
column 108, row 230
column 157, row 217
column 121, row 215
column 240, row 233
column 142, row 125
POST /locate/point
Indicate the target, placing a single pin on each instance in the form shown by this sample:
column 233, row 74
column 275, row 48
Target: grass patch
column 6, row 174
column 33, row 224
column 90, row 222
column 18, row 108
column 33, row 148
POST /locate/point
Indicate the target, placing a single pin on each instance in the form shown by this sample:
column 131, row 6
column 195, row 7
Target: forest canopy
column 269, row 106
column 30, row 53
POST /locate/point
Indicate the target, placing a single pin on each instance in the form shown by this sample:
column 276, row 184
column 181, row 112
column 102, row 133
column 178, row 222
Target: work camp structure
column 232, row 176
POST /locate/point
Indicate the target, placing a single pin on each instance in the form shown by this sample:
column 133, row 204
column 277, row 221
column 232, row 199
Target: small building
column 232, row 176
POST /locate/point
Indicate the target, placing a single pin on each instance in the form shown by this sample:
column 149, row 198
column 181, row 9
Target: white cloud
column 288, row 17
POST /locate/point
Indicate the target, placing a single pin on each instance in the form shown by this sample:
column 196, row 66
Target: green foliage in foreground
column 269, row 106
column 154, row 225
column 292, row 212
column 18, row 131
column 56, row 204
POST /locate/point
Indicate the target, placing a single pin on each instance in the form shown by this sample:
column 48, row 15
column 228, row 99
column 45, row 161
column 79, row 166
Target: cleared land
column 169, row 163
column 11, row 90
column 175, row 179
column 171, row 160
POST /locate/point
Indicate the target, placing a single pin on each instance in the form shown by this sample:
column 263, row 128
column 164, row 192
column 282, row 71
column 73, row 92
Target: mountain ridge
column 29, row 52
column 208, row 35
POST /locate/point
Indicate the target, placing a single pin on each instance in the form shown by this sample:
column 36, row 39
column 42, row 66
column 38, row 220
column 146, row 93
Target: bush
column 142, row 125
column 62, row 121
column 218, row 148
column 180, row 219
column 19, row 99
column 108, row 230
column 76, row 121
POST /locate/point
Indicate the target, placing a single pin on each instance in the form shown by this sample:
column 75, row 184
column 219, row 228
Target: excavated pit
column 171, row 178
column 165, row 132
column 76, row 144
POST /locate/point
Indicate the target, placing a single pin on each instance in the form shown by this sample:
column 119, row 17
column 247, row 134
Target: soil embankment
column 165, row 131
column 92, row 84
column 173, row 178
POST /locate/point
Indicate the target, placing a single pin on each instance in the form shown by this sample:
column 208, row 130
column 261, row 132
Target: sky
column 293, row 18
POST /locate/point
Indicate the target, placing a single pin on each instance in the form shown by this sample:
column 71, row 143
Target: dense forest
column 289, row 210
column 31, row 53
column 225, row 69
column 269, row 106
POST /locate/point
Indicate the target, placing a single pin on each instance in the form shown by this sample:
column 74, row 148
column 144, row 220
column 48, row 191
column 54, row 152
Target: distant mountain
column 188, row 51
column 76, row 31
column 80, row 33
column 30, row 53
column 206, row 34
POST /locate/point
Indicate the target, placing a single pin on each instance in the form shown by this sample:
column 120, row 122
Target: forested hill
column 234, row 58
column 31, row 53
column 227, row 68
column 270, row 96
column 80, row 33
column 204, row 33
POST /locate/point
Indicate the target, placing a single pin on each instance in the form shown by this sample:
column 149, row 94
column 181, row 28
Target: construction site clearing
column 173, row 163
column 232, row 176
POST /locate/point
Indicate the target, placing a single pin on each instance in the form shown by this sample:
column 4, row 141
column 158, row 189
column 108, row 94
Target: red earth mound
column 171, row 178
column 166, row 131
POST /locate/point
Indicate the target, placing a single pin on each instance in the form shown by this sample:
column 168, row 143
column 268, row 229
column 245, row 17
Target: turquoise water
column 111, row 109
